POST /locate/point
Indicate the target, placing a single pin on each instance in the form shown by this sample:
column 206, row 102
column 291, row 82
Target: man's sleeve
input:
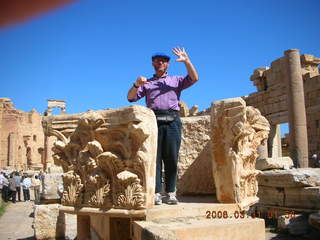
column 140, row 94
column 185, row 82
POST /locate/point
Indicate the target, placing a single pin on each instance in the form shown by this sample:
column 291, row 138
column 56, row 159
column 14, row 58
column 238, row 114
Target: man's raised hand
column 181, row 53
column 141, row 81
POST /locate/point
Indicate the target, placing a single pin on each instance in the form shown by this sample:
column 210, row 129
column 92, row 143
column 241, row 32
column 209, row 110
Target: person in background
column 5, row 188
column 26, row 184
column 12, row 188
column 36, row 183
column 1, row 181
column 18, row 185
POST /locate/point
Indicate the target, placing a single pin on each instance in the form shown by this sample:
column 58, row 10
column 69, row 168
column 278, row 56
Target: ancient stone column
column 46, row 153
column 11, row 148
column 274, row 142
column 298, row 140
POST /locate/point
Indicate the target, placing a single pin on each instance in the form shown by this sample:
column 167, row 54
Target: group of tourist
column 12, row 184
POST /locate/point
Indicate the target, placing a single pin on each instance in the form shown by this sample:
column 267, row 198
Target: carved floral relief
column 237, row 131
column 104, row 163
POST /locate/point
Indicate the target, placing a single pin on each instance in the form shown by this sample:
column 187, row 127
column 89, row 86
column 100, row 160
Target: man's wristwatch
column 134, row 85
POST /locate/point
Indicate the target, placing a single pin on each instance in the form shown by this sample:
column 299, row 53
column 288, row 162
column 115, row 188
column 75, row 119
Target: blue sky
column 89, row 53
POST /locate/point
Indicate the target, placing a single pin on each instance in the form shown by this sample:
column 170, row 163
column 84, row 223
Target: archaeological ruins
column 231, row 169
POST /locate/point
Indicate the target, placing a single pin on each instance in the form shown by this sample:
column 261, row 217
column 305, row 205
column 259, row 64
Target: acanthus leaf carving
column 104, row 164
column 237, row 131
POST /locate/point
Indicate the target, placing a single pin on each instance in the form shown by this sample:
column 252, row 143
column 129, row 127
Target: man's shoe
column 158, row 199
column 172, row 199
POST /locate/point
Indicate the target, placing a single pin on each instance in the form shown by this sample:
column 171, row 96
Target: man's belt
column 166, row 115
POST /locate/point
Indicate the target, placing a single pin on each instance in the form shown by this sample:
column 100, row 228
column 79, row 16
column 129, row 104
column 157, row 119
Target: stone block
column 200, row 229
column 274, row 163
column 49, row 223
column 296, row 177
column 314, row 220
column 53, row 186
column 307, row 197
column 194, row 110
column 71, row 226
column 184, row 109
column 195, row 166
column 271, row 196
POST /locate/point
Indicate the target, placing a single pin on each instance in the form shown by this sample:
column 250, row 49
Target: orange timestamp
column 270, row 214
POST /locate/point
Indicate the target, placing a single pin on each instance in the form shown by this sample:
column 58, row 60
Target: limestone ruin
column 230, row 152
column 22, row 138
column 288, row 92
column 108, row 157
column 237, row 131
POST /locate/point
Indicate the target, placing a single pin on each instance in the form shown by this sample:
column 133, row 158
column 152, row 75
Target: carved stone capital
column 237, row 131
column 108, row 157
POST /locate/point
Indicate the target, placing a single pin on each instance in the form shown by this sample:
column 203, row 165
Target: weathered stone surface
column 314, row 220
column 274, row 163
column 296, row 177
column 53, row 186
column 295, row 225
column 70, row 226
column 184, row 109
column 55, row 169
column 108, row 157
column 195, row 165
column 299, row 197
column 200, row 229
column 237, row 131
column 48, row 222
column 271, row 196
column 307, row 197
column 194, row 110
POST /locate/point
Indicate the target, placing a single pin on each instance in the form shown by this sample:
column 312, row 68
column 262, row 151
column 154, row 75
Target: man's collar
column 163, row 76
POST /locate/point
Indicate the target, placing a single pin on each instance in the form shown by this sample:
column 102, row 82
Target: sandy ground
column 16, row 223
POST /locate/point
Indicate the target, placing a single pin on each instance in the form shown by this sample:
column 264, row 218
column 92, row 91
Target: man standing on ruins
column 162, row 94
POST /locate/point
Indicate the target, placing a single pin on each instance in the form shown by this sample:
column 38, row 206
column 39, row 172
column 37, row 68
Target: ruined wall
column 272, row 99
column 311, row 79
column 21, row 137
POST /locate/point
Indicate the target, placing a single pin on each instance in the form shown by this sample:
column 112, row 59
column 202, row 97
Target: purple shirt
column 163, row 93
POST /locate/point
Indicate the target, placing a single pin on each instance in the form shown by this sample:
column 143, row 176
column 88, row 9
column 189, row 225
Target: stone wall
column 21, row 138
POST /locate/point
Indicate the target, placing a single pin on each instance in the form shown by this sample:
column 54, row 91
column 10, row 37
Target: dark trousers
column 5, row 193
column 169, row 140
column 26, row 194
column 18, row 193
column 13, row 196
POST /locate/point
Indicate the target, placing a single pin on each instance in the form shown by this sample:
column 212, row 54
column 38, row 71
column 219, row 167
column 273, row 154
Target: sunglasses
column 164, row 60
